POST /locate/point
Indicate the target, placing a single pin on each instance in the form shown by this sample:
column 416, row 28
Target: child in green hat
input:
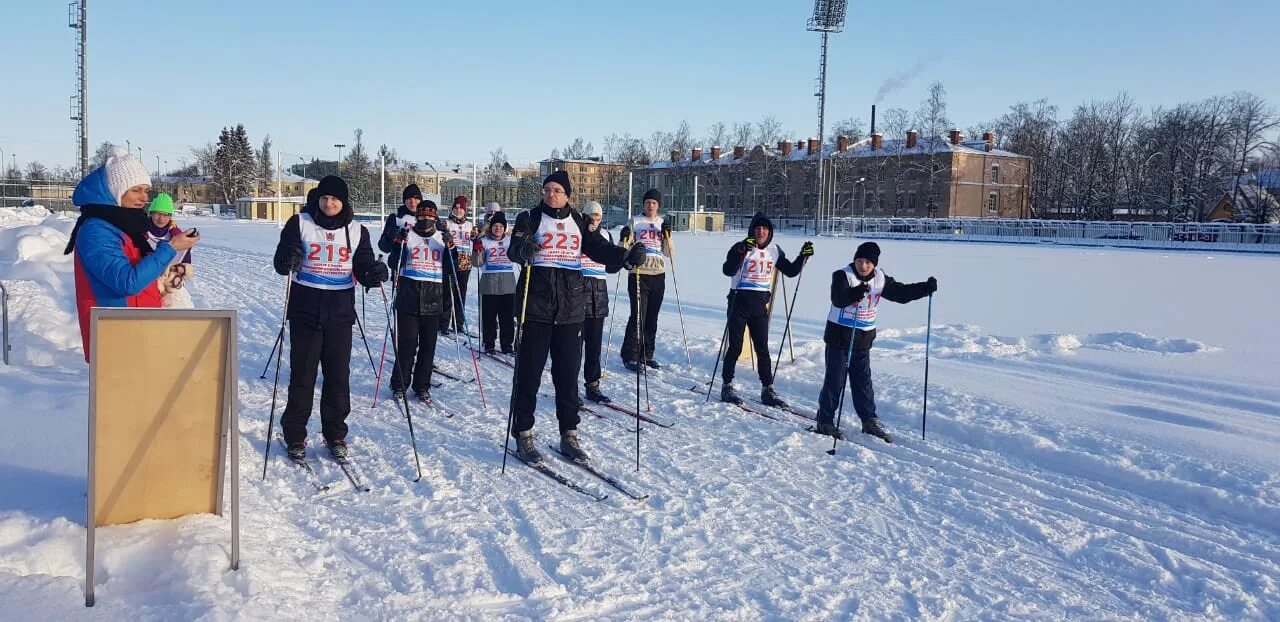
column 174, row 296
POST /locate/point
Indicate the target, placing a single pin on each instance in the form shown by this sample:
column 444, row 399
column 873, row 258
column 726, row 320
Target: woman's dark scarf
column 133, row 222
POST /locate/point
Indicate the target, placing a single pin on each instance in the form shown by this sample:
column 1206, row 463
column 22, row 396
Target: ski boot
column 297, row 451
column 594, row 394
column 490, row 350
column 525, row 448
column 569, row 446
column 831, row 430
column 769, row 398
column 632, row 366
column 337, row 450
column 397, row 394
column 423, row 396
column 727, row 394
column 872, row 426
column 508, row 350
column 653, row 364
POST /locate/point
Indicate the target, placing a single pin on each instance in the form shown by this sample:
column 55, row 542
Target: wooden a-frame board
column 162, row 418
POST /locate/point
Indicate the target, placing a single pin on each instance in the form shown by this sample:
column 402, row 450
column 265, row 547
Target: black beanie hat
column 334, row 186
column 312, row 197
column 428, row 204
column 869, row 251
column 562, row 178
column 654, row 194
column 411, row 190
column 498, row 219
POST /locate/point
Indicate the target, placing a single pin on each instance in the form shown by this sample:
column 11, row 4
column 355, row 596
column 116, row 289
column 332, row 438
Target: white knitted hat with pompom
column 124, row 172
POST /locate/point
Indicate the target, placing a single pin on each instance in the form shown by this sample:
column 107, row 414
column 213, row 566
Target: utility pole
column 77, row 17
column 337, row 167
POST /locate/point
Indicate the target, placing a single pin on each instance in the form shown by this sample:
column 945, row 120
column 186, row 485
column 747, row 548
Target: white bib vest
column 495, row 255
column 559, row 243
column 862, row 315
column 592, row 268
column 461, row 233
column 326, row 256
column 756, row 272
column 407, row 221
column 423, row 257
column 648, row 231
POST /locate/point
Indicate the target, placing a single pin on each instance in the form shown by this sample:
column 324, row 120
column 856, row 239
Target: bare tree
column 101, row 154
column 578, row 150
column 768, row 130
column 851, row 128
column 717, row 134
column 743, row 133
column 498, row 167
column 37, row 172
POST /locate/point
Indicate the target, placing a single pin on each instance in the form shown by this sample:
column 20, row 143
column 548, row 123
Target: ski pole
column 787, row 330
column 288, row 288
column 844, row 384
column 398, row 369
column 639, row 340
column 679, row 307
column 724, row 336
column 640, row 327
column 613, row 308
column 360, row 325
column 475, row 364
column 390, row 330
column 515, row 368
column 928, row 328
column 279, row 337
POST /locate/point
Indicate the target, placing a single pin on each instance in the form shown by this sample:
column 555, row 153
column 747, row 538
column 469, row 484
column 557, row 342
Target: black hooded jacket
column 598, row 289
column 421, row 297
column 315, row 306
column 557, row 296
column 749, row 303
column 390, row 229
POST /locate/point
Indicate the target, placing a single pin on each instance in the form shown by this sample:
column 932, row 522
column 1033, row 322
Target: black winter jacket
column 557, row 296
column 319, row 307
column 842, row 296
column 598, row 289
column 421, row 297
column 746, row 303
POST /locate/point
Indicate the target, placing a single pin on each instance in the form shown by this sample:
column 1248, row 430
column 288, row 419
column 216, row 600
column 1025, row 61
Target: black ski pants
column 499, row 319
column 563, row 342
column 858, row 372
column 416, row 351
column 652, row 287
column 757, row 320
column 453, row 318
column 327, row 347
column 592, row 339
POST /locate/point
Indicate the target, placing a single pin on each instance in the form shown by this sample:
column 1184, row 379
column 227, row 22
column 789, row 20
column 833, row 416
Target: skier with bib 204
column 647, row 283
column 550, row 240
column 856, row 291
column 750, row 265
column 326, row 254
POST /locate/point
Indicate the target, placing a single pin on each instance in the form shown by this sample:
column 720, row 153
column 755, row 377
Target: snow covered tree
column 234, row 170
column 266, row 166
column 360, row 173
column 100, row 154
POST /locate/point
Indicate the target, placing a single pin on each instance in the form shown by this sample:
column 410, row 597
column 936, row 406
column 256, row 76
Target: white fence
column 1165, row 235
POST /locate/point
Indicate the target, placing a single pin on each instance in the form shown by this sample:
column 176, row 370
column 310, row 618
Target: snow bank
column 41, row 284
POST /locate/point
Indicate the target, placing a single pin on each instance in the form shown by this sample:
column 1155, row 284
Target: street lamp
column 338, row 165
column 433, row 170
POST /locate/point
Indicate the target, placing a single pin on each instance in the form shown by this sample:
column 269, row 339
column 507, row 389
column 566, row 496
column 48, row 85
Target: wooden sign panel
column 162, row 407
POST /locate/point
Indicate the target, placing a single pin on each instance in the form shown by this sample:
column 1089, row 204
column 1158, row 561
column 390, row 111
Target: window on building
column 993, row 203
column 911, row 202
column 995, row 173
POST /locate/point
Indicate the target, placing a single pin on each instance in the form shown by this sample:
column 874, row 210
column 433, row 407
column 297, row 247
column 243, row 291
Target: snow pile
column 970, row 341
column 41, row 284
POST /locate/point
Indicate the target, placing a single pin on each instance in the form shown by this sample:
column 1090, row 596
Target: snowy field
column 1104, row 443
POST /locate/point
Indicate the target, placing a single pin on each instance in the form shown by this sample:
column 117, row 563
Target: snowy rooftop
column 859, row 149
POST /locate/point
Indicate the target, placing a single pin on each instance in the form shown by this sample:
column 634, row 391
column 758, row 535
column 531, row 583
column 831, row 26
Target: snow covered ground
column 1104, row 443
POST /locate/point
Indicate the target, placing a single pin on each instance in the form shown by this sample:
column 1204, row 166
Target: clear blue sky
column 451, row 79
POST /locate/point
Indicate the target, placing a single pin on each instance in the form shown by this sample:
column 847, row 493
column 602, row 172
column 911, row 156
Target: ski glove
column 932, row 285
column 477, row 246
column 625, row 233
column 294, row 260
column 400, row 237
column 858, row 292
column 523, row 249
column 635, row 256
column 447, row 238
column 750, row 242
column 666, row 229
column 377, row 274
column 806, row 250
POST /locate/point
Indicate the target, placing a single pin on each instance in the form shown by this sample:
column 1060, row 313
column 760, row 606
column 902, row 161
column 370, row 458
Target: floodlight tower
column 77, row 17
column 828, row 17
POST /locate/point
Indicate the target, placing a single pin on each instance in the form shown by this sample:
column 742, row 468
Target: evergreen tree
column 266, row 168
column 234, row 168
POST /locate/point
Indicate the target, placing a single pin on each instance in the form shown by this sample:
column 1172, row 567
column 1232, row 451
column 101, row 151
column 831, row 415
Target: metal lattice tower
column 828, row 17
column 77, row 18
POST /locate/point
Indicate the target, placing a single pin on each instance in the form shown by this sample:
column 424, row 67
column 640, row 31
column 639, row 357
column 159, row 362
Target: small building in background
column 268, row 208
column 695, row 221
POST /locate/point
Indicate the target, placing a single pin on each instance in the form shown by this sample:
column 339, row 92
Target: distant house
column 1257, row 205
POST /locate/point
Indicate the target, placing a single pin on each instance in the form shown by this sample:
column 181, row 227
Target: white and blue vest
column 559, row 242
column 648, row 231
column 592, row 268
column 326, row 254
column 423, row 257
column 496, row 260
column 860, row 315
column 756, row 272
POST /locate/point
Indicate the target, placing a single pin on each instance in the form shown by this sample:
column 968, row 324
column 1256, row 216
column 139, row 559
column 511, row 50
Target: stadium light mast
column 78, row 18
column 828, row 17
